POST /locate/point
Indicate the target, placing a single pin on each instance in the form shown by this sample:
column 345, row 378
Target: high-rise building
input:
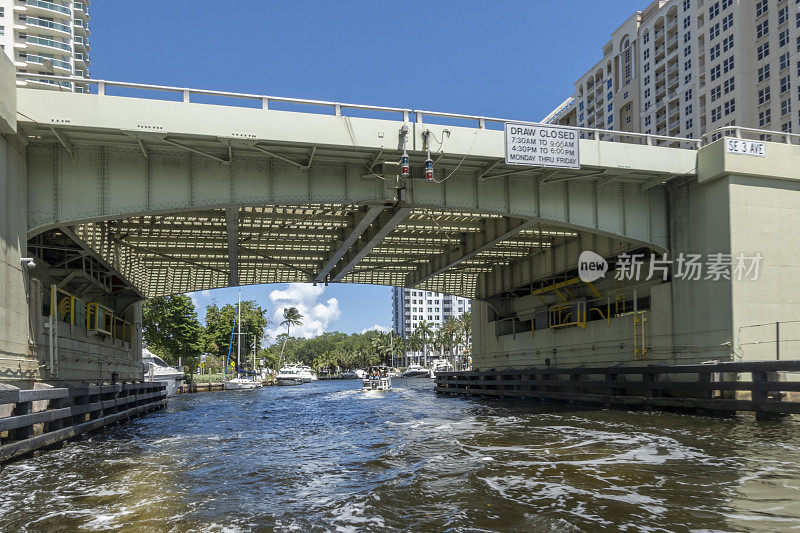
column 411, row 306
column 47, row 37
column 687, row 67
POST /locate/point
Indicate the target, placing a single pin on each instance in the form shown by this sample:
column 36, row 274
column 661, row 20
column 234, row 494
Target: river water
column 325, row 456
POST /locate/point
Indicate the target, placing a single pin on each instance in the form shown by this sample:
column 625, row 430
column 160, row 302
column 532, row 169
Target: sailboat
column 240, row 382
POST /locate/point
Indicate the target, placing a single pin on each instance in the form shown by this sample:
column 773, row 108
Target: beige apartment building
column 47, row 37
column 686, row 67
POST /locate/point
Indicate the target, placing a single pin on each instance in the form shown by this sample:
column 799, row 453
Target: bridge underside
column 440, row 250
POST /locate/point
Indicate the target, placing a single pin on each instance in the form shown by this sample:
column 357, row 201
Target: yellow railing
column 93, row 316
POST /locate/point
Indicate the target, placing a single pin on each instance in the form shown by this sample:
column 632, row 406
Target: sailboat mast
column 239, row 334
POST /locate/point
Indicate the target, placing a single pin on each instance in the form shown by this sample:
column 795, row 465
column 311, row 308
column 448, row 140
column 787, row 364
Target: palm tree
column 465, row 321
column 425, row 332
column 291, row 317
column 451, row 328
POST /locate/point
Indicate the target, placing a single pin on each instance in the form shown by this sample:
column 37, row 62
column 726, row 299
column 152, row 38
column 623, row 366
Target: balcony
column 42, row 23
column 57, row 63
column 81, row 27
column 48, row 7
column 35, row 42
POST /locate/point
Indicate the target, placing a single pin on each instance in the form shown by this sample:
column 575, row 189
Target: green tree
column 170, row 328
column 291, row 317
column 425, row 330
column 220, row 321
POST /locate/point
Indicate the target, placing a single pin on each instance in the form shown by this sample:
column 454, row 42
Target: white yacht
column 240, row 382
column 155, row 369
column 416, row 371
column 354, row 374
column 294, row 374
column 310, row 372
column 440, row 365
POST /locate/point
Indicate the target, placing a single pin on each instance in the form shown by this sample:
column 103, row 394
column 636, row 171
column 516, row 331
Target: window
column 713, row 11
column 627, row 71
column 761, row 7
column 2, row 31
column 687, row 21
column 687, row 65
column 608, row 84
column 688, row 94
column 727, row 43
column 646, row 54
column 763, row 50
column 687, row 51
column 688, row 110
column 715, row 72
column 687, row 78
column 716, row 114
column 627, row 120
column 716, row 93
column 727, row 65
column 647, row 93
column 647, row 105
column 785, row 85
column 763, row 73
column 610, row 106
column 647, row 120
column 647, row 78
column 646, row 38
column 728, row 86
column 763, row 95
column 783, row 15
column 686, row 5
column 787, row 128
column 687, row 37
column 727, row 22
column 762, row 29
column 726, row 4
column 713, row 52
column 786, row 107
column 610, row 95
column 713, row 32
column 764, row 118
column 730, row 106
column 689, row 124
column 2, row 11
column 783, row 38
column 784, row 61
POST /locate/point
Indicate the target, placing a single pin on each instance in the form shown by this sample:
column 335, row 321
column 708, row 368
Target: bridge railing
column 419, row 115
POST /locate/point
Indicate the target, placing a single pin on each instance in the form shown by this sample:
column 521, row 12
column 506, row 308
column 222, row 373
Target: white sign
column 745, row 147
column 542, row 146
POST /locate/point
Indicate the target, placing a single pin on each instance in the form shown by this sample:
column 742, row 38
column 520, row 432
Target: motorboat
column 293, row 375
column 377, row 379
column 310, row 372
column 354, row 374
column 440, row 365
column 394, row 372
column 416, row 371
column 155, row 369
column 244, row 379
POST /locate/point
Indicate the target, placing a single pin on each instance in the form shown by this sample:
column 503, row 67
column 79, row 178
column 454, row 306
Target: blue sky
column 512, row 59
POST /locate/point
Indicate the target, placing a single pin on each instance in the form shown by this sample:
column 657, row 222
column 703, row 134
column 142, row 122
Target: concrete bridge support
column 16, row 363
column 735, row 205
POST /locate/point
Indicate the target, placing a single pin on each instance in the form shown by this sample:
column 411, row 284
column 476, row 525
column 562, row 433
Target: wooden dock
column 770, row 389
column 46, row 417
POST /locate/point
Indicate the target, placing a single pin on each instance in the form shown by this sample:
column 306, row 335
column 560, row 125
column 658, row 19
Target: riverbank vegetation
column 172, row 330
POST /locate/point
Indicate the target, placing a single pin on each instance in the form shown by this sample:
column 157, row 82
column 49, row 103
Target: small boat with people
column 377, row 379
column 155, row 369
column 416, row 371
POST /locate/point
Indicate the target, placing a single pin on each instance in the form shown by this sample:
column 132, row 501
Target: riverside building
column 48, row 37
column 686, row 67
column 411, row 306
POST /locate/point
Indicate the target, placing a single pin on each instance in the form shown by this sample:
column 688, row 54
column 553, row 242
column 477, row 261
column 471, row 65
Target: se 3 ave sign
column 542, row 146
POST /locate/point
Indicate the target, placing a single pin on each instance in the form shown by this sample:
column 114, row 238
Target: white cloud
column 317, row 315
column 206, row 293
column 376, row 327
